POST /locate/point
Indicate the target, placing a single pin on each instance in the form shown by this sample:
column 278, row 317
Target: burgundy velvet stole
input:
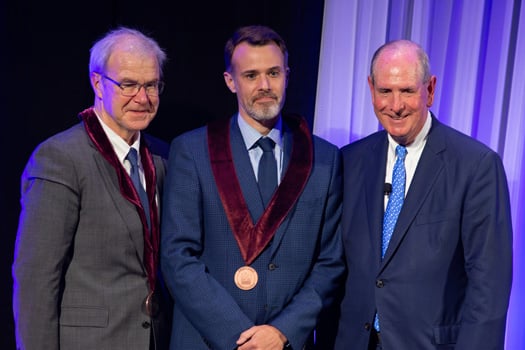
column 252, row 239
column 103, row 145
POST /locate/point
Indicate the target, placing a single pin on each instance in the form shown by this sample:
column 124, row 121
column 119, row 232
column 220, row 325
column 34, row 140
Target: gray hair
column 103, row 48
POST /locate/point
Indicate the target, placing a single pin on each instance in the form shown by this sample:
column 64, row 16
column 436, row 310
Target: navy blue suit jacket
column 445, row 280
column 298, row 271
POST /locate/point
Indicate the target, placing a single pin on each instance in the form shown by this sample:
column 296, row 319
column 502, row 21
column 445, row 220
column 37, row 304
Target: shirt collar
column 419, row 140
column 120, row 146
column 251, row 136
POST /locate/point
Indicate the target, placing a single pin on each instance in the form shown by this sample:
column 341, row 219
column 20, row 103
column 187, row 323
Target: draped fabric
column 476, row 50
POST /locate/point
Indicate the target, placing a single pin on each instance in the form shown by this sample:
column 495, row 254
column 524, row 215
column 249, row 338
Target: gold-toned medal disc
column 246, row 278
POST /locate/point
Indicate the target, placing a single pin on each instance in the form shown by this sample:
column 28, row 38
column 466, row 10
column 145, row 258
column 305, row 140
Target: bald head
column 406, row 50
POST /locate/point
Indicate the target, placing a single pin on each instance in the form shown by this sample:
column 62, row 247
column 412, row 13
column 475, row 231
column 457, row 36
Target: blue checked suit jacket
column 298, row 271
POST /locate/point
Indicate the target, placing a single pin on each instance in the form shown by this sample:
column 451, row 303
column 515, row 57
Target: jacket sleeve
column 204, row 301
column 48, row 218
column 487, row 241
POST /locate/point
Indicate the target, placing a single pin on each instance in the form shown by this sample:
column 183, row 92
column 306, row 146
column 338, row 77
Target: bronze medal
column 151, row 305
column 246, row 278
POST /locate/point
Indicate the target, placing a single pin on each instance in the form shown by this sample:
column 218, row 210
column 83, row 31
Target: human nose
column 141, row 95
column 397, row 104
column 264, row 83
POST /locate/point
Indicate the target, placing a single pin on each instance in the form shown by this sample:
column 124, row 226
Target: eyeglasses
column 130, row 89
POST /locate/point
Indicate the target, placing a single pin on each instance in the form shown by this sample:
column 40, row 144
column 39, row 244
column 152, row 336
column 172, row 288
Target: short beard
column 265, row 112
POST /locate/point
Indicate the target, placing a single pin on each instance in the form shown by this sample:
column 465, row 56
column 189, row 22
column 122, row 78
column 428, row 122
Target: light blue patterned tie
column 395, row 202
column 132, row 157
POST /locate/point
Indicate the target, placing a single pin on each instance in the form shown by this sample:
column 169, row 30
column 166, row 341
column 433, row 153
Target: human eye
column 151, row 86
column 129, row 86
column 250, row 75
column 128, row 83
column 274, row 73
column 408, row 91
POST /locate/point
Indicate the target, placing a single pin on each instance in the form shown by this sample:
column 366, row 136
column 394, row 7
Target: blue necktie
column 267, row 173
column 395, row 202
column 132, row 157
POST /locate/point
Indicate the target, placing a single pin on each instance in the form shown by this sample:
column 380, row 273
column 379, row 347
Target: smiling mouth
column 397, row 117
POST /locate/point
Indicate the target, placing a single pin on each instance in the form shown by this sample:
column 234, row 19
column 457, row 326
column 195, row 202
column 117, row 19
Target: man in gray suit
column 86, row 256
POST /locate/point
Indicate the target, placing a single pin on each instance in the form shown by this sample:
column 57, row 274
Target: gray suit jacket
column 79, row 278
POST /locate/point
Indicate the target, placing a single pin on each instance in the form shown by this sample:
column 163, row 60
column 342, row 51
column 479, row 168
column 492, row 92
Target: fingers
column 263, row 337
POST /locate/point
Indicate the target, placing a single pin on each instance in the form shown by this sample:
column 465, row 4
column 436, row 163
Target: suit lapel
column 127, row 211
column 245, row 174
column 248, row 181
column 288, row 144
column 287, row 136
column 159, row 172
column 428, row 169
column 374, row 190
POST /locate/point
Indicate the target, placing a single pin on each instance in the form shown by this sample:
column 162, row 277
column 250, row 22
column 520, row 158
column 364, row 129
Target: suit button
column 272, row 266
column 380, row 283
column 146, row 324
column 368, row 326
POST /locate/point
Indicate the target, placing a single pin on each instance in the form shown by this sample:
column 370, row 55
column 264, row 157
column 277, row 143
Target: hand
column 263, row 337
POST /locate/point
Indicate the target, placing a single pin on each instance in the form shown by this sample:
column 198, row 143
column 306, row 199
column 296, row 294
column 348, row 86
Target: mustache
column 263, row 95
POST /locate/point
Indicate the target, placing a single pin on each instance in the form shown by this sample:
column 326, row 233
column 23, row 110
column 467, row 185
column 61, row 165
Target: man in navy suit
column 246, row 274
column 445, row 277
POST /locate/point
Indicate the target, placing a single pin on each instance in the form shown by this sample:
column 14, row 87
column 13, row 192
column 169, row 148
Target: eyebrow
column 267, row 70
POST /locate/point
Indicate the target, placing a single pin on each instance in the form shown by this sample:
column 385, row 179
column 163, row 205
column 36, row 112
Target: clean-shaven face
column 124, row 114
column 400, row 97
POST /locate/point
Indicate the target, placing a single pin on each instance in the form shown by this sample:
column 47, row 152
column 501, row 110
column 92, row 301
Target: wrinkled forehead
column 395, row 63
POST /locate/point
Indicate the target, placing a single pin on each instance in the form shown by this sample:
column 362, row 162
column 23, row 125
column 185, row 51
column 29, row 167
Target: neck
column 263, row 126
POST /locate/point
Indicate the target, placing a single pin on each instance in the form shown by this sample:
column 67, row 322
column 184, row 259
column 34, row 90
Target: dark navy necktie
column 395, row 203
column 132, row 157
column 267, row 174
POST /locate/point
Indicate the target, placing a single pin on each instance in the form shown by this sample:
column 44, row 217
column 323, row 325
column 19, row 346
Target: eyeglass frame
column 158, row 84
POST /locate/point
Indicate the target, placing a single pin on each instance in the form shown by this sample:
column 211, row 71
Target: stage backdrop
column 476, row 49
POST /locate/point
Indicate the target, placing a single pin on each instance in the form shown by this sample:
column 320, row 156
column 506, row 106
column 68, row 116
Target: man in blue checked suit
column 245, row 274
column 444, row 280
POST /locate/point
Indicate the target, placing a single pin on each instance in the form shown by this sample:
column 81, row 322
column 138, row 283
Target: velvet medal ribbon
column 103, row 145
column 252, row 239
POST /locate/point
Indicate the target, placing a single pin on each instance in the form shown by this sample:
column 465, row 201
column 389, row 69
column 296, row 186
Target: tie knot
column 132, row 156
column 401, row 152
column 266, row 144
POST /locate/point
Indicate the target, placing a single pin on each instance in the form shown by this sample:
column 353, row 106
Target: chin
column 141, row 124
